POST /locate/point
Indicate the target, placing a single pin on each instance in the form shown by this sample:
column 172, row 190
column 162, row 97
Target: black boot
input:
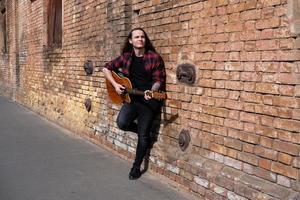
column 134, row 173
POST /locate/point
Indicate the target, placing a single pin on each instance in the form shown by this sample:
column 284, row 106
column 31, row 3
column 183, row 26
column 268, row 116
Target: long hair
column 129, row 48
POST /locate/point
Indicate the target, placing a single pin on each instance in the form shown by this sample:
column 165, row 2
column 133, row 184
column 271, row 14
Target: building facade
column 230, row 128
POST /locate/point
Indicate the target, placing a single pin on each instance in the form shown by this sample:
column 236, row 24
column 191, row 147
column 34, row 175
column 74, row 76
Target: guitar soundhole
column 88, row 104
column 184, row 139
column 186, row 73
column 88, row 67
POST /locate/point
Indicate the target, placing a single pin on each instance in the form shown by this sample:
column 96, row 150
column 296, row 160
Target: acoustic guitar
column 124, row 97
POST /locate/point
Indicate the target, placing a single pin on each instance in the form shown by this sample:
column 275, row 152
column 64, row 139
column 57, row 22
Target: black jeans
column 144, row 111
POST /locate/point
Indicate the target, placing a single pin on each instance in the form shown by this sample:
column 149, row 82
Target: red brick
column 207, row 83
column 219, row 130
column 265, row 174
column 234, row 17
column 234, row 95
column 266, row 131
column 296, row 114
column 249, row 35
column 221, row 47
column 268, row 12
column 284, row 135
column 286, row 90
column 251, row 97
column 248, row 117
column 250, row 56
column 286, row 102
column 285, row 112
column 248, row 158
column 234, row 56
column 266, row 3
column 264, row 163
column 232, row 153
column 233, row 124
column 249, row 148
column 220, row 112
column 206, row 100
column 267, row 67
column 267, row 110
column 234, row 114
column 268, row 23
column 267, row 34
column 290, row 55
column 284, row 158
column 234, row 85
column 249, row 127
column 248, row 107
column 251, row 14
column 286, row 147
column 287, row 78
column 266, row 153
column 235, row 105
column 286, row 44
column 251, row 76
column 232, row 143
column 233, row 8
column 249, row 26
column 289, row 125
column 266, row 142
column 267, row 45
column 285, row 170
column 236, row 46
column 206, row 118
column 222, row 37
column 267, row 88
column 220, row 56
column 249, row 86
column 250, row 138
column 220, row 93
column 218, row 148
column 233, row 66
column 296, row 162
column 234, row 27
column 286, row 67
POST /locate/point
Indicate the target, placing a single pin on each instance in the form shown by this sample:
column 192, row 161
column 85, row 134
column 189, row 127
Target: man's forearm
column 156, row 86
column 108, row 76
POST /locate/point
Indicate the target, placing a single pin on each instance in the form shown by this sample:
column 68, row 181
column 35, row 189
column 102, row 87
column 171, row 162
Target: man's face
column 138, row 39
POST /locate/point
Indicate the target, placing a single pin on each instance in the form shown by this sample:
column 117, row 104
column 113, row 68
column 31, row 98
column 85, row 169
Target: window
column 3, row 40
column 54, row 23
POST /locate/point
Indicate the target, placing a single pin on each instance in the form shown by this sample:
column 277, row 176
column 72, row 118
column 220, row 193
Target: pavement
column 42, row 161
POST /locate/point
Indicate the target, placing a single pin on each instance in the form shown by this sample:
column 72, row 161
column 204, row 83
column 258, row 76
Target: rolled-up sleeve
column 159, row 71
column 114, row 64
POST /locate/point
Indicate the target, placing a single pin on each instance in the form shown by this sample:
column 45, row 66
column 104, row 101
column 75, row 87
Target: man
column 146, row 71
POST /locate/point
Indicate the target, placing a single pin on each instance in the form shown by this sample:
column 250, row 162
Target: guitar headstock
column 157, row 95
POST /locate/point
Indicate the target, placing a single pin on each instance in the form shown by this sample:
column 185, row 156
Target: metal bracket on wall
column 184, row 139
column 88, row 67
column 186, row 73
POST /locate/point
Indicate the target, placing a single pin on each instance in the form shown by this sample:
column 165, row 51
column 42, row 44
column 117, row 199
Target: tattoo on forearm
column 155, row 86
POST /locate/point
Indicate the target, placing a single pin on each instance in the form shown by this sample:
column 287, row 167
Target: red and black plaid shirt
column 153, row 63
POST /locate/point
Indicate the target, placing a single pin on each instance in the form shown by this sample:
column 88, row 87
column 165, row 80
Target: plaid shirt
column 153, row 63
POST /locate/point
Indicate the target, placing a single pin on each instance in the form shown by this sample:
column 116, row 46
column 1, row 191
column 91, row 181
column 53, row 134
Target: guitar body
column 118, row 99
column 113, row 95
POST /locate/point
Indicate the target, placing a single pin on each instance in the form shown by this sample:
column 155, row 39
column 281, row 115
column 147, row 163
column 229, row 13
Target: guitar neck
column 136, row 92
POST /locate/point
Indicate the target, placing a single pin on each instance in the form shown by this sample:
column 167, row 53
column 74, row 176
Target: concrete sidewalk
column 39, row 161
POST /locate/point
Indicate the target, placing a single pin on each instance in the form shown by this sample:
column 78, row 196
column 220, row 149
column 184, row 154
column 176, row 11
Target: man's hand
column 146, row 96
column 119, row 88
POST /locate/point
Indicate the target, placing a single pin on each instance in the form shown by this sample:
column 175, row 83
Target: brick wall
column 242, row 113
